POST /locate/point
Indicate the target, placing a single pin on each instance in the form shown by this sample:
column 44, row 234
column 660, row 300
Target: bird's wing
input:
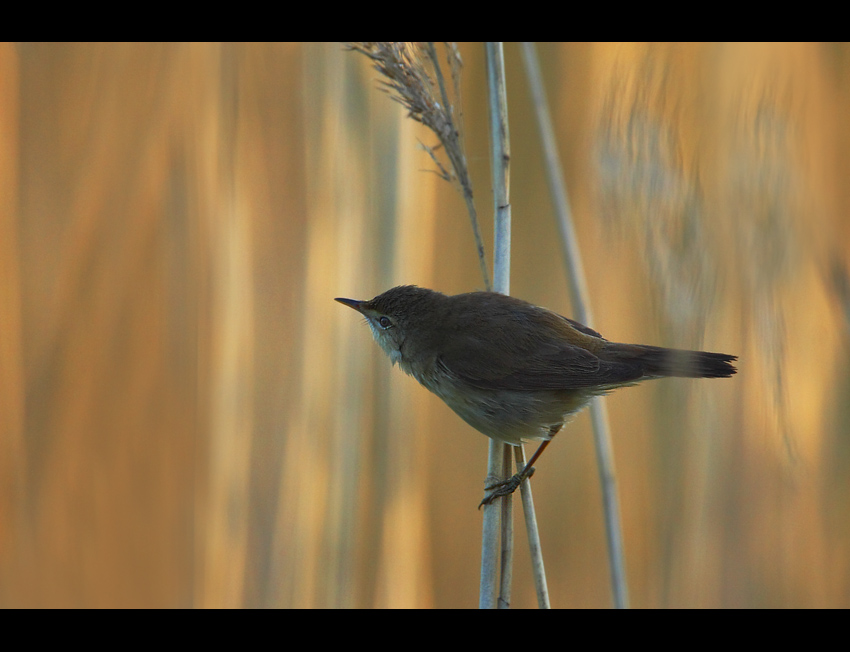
column 553, row 355
column 569, row 367
column 587, row 330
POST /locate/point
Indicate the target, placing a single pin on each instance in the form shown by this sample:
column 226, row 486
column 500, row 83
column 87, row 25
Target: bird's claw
column 505, row 487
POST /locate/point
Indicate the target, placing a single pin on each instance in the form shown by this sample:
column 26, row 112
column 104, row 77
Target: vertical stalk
column 581, row 308
column 538, row 572
column 499, row 459
column 506, row 570
column 496, row 530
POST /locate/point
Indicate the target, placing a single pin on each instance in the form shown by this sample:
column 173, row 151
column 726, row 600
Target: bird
column 512, row 370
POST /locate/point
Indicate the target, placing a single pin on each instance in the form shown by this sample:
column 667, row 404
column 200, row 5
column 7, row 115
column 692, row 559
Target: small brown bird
column 512, row 370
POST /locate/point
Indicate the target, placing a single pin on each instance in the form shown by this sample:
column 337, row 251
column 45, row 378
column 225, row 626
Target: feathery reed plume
column 407, row 80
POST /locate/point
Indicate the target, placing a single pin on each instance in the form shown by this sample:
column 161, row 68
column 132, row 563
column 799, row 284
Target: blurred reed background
column 188, row 419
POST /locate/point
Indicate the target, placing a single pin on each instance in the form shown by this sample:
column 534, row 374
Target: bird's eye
column 385, row 322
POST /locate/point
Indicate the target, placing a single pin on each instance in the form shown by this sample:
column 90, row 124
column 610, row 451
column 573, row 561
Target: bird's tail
column 657, row 362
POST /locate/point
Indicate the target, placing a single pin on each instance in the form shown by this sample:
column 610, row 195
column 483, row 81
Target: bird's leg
column 507, row 487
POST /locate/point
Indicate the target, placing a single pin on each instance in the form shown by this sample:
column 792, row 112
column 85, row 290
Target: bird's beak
column 352, row 303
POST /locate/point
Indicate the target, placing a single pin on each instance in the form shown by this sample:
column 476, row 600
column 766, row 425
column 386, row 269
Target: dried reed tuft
column 412, row 76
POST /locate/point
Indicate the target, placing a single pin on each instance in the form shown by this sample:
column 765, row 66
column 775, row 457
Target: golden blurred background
column 188, row 419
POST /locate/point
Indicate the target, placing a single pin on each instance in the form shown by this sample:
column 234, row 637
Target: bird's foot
column 505, row 487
